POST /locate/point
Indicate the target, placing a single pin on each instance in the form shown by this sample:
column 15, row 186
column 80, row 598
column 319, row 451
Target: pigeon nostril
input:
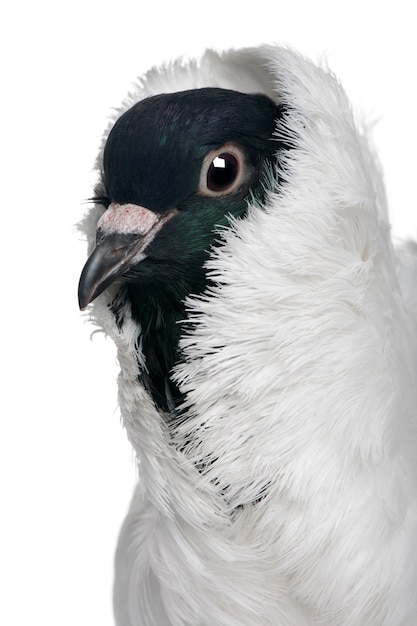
column 99, row 236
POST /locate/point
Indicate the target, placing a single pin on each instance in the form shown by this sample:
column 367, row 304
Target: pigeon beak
column 123, row 234
column 113, row 256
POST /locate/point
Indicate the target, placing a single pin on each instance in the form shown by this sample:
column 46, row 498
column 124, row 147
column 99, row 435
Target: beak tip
column 84, row 296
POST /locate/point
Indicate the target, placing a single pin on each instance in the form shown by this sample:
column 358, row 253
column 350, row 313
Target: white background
column 66, row 470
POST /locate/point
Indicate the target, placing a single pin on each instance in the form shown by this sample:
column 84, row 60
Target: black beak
column 113, row 255
column 124, row 232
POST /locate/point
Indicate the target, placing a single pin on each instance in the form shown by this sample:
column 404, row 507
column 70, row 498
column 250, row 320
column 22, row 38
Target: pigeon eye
column 223, row 171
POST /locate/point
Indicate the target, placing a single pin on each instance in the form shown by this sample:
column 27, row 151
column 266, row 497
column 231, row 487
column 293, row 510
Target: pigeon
column 240, row 257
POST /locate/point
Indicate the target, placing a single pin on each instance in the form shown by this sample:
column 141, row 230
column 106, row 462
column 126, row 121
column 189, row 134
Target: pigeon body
column 240, row 258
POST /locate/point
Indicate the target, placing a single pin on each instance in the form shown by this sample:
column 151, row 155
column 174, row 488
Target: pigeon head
column 176, row 167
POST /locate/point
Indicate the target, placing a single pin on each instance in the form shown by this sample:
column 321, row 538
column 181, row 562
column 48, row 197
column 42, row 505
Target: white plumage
column 300, row 377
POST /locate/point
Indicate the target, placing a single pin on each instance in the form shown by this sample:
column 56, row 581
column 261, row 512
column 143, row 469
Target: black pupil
column 222, row 172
